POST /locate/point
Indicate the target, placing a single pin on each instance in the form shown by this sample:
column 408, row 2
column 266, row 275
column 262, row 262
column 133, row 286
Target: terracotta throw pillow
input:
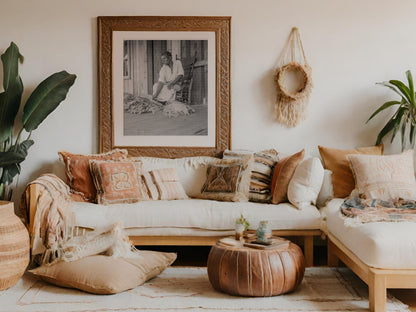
column 228, row 179
column 283, row 172
column 77, row 169
column 384, row 177
column 164, row 184
column 106, row 275
column 118, row 181
column 336, row 161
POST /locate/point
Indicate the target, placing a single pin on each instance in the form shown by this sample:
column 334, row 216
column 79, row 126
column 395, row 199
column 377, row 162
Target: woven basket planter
column 14, row 246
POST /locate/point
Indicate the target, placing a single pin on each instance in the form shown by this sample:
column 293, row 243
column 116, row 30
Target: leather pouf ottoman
column 246, row 271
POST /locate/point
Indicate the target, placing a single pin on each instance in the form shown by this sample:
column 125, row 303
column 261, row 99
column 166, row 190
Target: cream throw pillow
column 384, row 177
column 106, row 275
column 306, row 183
column 327, row 191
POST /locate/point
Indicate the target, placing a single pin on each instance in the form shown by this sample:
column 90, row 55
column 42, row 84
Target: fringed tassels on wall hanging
column 293, row 81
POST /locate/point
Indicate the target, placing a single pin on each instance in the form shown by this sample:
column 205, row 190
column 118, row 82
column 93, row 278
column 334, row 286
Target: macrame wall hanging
column 293, row 81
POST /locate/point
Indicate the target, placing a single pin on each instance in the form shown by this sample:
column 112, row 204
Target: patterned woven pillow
column 261, row 173
column 77, row 169
column 164, row 184
column 228, row 179
column 118, row 181
column 384, row 177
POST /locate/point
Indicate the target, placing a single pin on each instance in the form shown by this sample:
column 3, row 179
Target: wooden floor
column 198, row 255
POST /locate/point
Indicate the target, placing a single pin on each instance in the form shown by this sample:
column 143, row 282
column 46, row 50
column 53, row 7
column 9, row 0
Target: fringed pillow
column 77, row 169
column 261, row 173
column 228, row 179
column 118, row 181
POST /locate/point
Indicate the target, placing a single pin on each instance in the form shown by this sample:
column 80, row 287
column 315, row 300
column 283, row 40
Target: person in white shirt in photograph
column 170, row 76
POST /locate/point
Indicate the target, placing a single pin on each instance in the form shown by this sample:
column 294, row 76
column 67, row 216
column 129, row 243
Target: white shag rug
column 188, row 289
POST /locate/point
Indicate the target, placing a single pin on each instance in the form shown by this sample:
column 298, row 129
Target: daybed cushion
column 195, row 213
column 385, row 245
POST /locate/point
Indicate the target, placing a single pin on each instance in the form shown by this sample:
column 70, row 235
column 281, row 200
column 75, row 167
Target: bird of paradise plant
column 41, row 102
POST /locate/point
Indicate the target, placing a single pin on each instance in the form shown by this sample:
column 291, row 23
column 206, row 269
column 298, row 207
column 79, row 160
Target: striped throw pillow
column 164, row 184
column 261, row 172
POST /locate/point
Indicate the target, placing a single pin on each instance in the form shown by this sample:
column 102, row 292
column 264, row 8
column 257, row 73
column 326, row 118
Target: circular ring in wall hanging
column 293, row 81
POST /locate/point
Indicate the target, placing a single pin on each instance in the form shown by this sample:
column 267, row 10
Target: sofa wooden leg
column 308, row 250
column 333, row 260
column 377, row 292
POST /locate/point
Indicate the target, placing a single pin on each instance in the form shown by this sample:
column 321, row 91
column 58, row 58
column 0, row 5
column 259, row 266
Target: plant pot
column 239, row 230
column 14, row 246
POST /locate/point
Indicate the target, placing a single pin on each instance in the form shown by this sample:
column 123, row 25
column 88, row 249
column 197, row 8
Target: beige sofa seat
column 384, row 245
column 198, row 214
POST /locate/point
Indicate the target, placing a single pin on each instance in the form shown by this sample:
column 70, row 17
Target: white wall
column 350, row 45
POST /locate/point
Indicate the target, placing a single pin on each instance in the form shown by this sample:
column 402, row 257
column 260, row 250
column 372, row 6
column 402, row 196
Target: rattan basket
column 14, row 246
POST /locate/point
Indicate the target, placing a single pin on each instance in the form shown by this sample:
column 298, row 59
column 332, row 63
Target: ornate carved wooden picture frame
column 164, row 85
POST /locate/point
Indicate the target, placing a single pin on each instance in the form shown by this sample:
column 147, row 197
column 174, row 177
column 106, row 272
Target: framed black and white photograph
column 164, row 85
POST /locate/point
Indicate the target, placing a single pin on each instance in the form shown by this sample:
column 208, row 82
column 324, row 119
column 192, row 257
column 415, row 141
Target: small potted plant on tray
column 241, row 225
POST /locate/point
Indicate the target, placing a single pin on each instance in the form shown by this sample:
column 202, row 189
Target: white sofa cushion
column 306, row 183
column 191, row 170
column 195, row 213
column 385, row 245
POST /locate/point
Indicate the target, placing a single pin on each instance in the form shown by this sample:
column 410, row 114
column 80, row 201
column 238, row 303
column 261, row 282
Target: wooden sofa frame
column 306, row 236
column 378, row 280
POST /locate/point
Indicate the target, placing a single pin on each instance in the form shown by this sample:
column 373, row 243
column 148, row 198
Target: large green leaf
column 398, row 120
column 403, row 89
column 383, row 107
column 411, row 88
column 386, row 129
column 393, row 88
column 10, row 160
column 9, row 172
column 45, row 98
column 10, row 60
column 403, row 136
column 13, row 89
column 16, row 154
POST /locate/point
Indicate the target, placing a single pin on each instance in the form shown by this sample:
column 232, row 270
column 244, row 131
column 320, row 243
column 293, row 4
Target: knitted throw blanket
column 51, row 227
column 52, row 222
column 359, row 210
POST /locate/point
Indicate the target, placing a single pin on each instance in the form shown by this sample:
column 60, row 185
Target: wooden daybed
column 378, row 280
column 382, row 254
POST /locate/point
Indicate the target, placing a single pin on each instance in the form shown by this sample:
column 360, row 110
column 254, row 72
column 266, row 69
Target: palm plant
column 41, row 102
column 404, row 118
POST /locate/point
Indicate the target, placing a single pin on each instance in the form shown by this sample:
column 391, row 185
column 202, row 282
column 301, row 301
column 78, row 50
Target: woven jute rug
column 188, row 289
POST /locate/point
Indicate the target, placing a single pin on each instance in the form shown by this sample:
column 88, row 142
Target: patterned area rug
column 188, row 289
